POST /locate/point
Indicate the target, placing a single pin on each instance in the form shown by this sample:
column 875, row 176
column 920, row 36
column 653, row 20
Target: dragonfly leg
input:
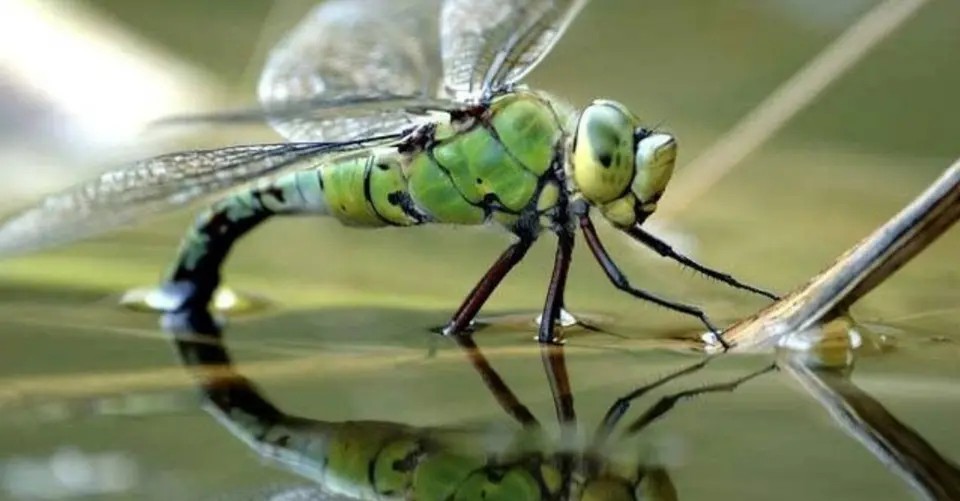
column 195, row 275
column 461, row 320
column 665, row 250
column 619, row 280
column 558, row 282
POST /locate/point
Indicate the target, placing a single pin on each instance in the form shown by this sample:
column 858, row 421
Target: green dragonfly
column 380, row 460
column 402, row 113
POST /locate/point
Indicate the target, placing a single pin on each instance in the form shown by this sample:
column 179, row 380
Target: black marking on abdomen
column 272, row 191
column 403, row 200
column 367, row 172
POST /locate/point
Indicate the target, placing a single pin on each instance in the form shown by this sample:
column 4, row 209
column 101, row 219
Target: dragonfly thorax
column 619, row 166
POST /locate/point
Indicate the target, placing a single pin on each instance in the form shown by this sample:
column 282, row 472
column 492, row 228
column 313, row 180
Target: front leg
column 619, row 280
column 665, row 250
column 195, row 275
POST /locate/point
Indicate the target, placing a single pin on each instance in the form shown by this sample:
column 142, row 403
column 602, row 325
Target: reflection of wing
column 153, row 185
column 382, row 53
column 487, row 44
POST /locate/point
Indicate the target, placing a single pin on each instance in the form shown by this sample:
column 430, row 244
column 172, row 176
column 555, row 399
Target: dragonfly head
column 618, row 165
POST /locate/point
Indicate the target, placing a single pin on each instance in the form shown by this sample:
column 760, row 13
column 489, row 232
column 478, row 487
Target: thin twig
column 784, row 103
column 859, row 270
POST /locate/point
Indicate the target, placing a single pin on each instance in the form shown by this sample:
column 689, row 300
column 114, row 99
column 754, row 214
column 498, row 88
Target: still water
column 95, row 404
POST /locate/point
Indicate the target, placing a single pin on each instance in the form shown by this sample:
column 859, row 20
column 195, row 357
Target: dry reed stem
column 783, row 104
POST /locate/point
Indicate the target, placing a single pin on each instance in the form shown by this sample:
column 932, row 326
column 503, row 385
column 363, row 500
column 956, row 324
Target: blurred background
column 79, row 80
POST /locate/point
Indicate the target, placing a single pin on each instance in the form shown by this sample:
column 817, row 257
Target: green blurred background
column 346, row 331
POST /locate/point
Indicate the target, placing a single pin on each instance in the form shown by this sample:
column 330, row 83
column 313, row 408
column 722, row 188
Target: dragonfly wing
column 489, row 44
column 157, row 184
column 356, row 68
column 351, row 107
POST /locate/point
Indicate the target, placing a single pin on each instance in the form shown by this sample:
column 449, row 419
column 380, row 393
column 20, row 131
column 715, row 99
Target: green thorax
column 492, row 165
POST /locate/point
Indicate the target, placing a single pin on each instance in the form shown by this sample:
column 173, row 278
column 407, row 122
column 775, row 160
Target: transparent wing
column 357, row 68
column 489, row 44
column 161, row 183
column 345, row 108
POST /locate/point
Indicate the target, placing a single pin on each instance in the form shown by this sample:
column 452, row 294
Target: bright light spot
column 69, row 472
column 104, row 78
column 566, row 319
column 225, row 300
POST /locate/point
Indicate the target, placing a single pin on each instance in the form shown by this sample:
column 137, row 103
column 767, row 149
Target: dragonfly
column 398, row 113
column 379, row 460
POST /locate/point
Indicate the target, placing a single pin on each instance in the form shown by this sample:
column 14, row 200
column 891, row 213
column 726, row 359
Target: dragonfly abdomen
column 369, row 191
column 207, row 242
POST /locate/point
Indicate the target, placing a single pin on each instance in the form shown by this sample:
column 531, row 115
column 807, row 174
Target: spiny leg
column 619, row 408
column 551, row 349
column 461, row 320
column 666, row 403
column 620, row 281
column 505, row 397
column 665, row 250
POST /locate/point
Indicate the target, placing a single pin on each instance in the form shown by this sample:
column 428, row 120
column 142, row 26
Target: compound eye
column 655, row 159
column 604, row 153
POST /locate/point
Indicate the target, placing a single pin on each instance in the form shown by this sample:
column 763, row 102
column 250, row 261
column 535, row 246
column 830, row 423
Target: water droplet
column 528, row 320
column 835, row 344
